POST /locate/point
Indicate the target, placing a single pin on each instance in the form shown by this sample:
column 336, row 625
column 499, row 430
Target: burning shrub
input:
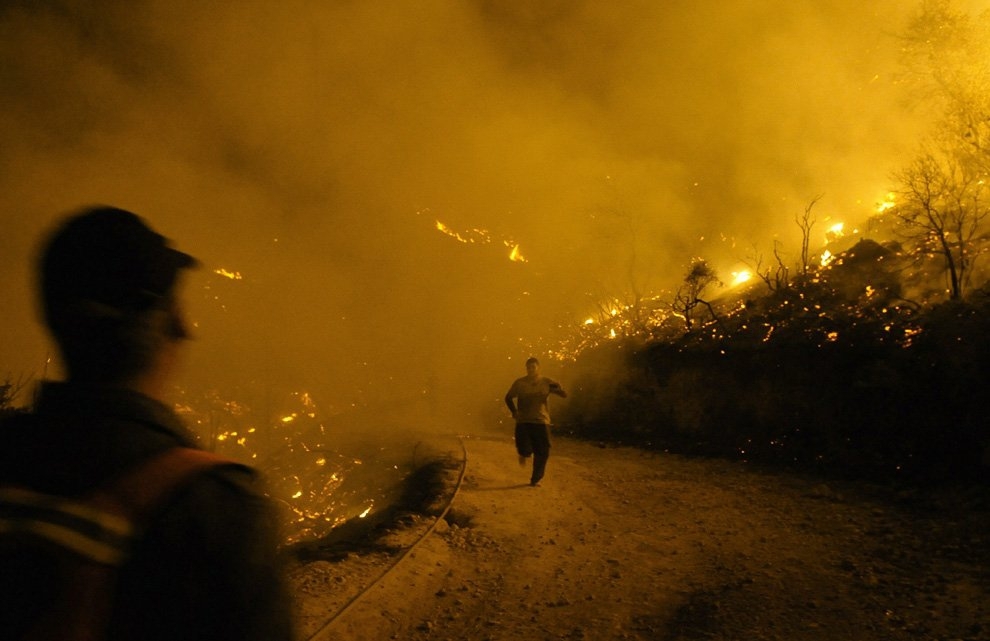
column 812, row 378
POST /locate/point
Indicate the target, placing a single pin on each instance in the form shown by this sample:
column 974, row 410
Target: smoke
column 312, row 147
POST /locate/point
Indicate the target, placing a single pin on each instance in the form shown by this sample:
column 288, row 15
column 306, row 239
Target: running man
column 533, row 416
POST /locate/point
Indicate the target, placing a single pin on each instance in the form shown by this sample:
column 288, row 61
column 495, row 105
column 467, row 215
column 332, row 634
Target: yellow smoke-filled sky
column 312, row 147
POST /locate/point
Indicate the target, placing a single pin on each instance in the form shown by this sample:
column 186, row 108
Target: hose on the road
column 388, row 569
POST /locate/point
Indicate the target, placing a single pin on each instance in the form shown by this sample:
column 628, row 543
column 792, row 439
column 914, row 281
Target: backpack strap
column 101, row 525
column 96, row 534
column 99, row 530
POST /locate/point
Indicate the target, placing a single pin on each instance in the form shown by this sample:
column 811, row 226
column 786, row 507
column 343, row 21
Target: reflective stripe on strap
column 96, row 534
column 102, row 526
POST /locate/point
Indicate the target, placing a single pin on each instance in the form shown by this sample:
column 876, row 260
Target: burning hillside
column 840, row 374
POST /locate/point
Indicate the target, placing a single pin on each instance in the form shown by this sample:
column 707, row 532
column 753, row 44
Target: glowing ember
column 909, row 335
column 827, row 257
column 516, row 256
column 228, row 274
column 472, row 236
column 303, row 477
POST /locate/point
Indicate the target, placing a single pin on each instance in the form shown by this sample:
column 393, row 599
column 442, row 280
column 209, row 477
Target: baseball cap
column 111, row 257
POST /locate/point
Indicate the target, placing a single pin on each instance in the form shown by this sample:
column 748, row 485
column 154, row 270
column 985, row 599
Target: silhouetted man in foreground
column 533, row 416
column 201, row 562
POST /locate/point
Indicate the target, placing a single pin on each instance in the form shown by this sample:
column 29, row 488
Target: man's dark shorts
column 534, row 439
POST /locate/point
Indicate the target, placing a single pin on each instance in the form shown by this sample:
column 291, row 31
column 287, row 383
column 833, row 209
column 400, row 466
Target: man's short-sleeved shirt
column 531, row 395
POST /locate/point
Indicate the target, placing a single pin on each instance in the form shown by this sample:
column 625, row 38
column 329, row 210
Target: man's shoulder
column 529, row 385
column 225, row 499
column 193, row 466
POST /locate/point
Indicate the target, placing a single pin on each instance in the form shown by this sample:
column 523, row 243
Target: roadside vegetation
column 869, row 358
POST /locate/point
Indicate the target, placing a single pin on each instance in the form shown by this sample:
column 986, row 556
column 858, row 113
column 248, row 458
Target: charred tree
column 775, row 276
column 700, row 277
column 942, row 209
column 806, row 221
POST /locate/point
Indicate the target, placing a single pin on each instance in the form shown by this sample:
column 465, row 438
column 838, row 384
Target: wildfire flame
column 835, row 232
column 738, row 278
column 481, row 237
column 303, row 479
column 888, row 203
column 450, row 232
column 226, row 273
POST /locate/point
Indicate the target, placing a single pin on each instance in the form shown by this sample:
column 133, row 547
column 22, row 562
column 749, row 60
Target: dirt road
column 622, row 544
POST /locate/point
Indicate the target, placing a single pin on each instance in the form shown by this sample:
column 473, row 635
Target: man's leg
column 524, row 443
column 541, row 451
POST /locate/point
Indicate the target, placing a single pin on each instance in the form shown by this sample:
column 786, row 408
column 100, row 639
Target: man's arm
column 509, row 403
column 511, row 394
column 555, row 388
